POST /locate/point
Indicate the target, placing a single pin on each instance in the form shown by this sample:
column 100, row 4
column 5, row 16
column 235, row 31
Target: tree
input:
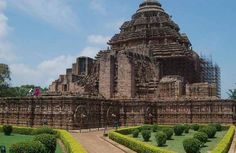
column 232, row 94
column 4, row 79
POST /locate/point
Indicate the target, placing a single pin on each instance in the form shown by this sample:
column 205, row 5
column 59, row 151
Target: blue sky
column 39, row 39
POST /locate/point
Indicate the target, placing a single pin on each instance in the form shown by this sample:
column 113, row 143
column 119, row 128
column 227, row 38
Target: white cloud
column 97, row 6
column 98, row 39
column 47, row 71
column 5, row 46
column 58, row 13
column 89, row 52
column 43, row 74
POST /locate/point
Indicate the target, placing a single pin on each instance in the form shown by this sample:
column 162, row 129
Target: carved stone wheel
column 111, row 116
column 81, row 116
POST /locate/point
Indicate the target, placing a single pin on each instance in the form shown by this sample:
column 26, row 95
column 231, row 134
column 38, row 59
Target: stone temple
column 149, row 59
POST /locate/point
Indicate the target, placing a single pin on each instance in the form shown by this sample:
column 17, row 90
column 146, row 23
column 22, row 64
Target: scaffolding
column 210, row 73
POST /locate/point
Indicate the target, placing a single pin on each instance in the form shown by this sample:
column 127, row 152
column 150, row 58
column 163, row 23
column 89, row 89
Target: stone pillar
column 106, row 75
column 126, row 84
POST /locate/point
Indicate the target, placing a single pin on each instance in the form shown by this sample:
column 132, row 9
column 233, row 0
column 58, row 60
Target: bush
column 49, row 141
column 169, row 132
column 186, row 128
column 155, row 128
column 195, row 127
column 225, row 143
column 71, row 145
column 160, row 138
column 44, row 130
column 23, row 130
column 136, row 145
column 146, row 135
column 217, row 126
column 191, row 145
column 178, row 130
column 209, row 130
column 135, row 133
column 27, row 147
column 201, row 136
column 7, row 129
column 146, row 127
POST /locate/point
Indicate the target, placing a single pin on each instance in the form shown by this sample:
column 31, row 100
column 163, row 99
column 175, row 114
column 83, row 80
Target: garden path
column 233, row 145
column 94, row 143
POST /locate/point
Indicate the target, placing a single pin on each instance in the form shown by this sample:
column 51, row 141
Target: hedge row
column 135, row 145
column 72, row 146
column 70, row 143
column 225, row 143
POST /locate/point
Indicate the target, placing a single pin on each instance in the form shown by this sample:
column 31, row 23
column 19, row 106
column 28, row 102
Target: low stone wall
column 76, row 113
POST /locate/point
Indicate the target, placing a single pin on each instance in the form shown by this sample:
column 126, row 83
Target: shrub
column 217, row 126
column 146, row 127
column 169, row 132
column 160, row 138
column 201, row 136
column 195, row 127
column 146, row 135
column 186, row 128
column 191, row 145
column 44, row 130
column 225, row 143
column 209, row 130
column 27, row 147
column 7, row 129
column 155, row 128
column 71, row 145
column 49, row 141
column 135, row 133
column 178, row 130
column 23, row 130
column 136, row 145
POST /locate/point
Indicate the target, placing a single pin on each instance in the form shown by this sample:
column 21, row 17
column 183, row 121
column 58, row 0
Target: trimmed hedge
column 160, row 138
column 179, row 130
column 192, row 145
column 146, row 134
column 136, row 145
column 70, row 143
column 209, row 130
column 169, row 132
column 49, row 141
column 135, row 133
column 72, row 146
column 27, row 147
column 224, row 145
column 7, row 129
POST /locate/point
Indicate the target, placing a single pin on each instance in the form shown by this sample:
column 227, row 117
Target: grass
column 176, row 144
column 15, row 138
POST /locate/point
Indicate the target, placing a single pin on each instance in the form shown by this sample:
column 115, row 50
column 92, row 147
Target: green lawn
column 14, row 138
column 176, row 144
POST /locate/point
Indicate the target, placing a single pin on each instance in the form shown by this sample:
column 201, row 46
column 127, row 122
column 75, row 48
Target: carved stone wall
column 76, row 113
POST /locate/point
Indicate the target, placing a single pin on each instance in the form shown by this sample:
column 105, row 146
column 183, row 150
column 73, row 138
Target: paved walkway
column 93, row 142
column 233, row 145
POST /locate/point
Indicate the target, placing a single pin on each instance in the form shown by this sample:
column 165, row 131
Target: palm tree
column 232, row 94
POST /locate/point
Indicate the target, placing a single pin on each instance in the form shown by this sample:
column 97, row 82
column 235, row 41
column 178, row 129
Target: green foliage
column 232, row 94
column 135, row 133
column 186, row 128
column 136, row 145
column 160, row 138
column 72, row 146
column 155, row 128
column 201, row 136
column 27, row 147
column 146, row 135
column 178, row 130
column 217, row 126
column 191, row 145
column 44, row 130
column 195, row 127
column 169, row 132
column 209, row 130
column 7, row 129
column 225, row 143
column 146, row 127
column 49, row 141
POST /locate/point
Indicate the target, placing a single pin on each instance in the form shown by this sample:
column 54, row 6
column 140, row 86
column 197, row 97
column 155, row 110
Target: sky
column 39, row 39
